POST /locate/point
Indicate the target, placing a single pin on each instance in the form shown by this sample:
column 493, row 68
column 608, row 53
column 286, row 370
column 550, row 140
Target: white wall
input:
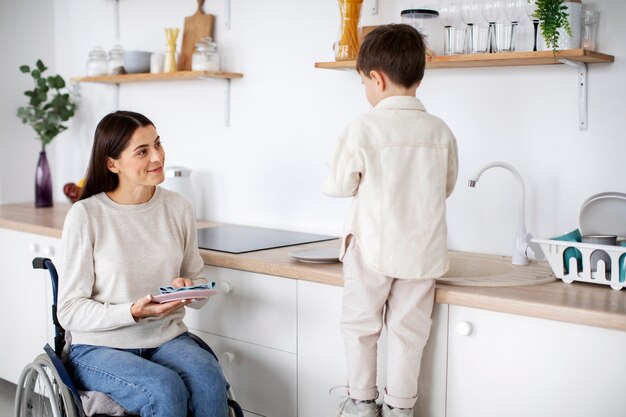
column 268, row 167
column 25, row 36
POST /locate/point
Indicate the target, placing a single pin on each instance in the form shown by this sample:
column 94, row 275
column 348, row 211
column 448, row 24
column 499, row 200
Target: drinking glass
column 448, row 16
column 531, row 8
column 491, row 11
column 514, row 11
column 476, row 36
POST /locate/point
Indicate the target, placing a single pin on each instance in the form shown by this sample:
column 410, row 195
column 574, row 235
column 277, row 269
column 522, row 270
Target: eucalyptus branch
column 49, row 106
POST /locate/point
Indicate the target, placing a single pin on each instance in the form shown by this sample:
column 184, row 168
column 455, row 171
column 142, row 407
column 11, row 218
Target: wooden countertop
column 593, row 305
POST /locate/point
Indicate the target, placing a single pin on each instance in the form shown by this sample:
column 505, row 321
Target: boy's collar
column 400, row 102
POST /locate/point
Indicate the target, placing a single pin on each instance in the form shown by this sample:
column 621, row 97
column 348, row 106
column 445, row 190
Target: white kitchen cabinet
column 263, row 379
column 321, row 361
column 508, row 365
column 251, row 326
column 25, row 322
column 250, row 307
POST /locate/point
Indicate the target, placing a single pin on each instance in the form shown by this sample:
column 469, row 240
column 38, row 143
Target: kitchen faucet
column 523, row 249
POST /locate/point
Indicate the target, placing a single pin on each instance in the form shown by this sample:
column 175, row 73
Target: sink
column 463, row 265
column 480, row 270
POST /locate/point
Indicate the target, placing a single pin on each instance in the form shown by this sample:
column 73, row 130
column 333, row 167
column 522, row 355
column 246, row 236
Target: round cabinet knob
column 33, row 248
column 464, row 328
column 226, row 288
column 228, row 357
column 48, row 250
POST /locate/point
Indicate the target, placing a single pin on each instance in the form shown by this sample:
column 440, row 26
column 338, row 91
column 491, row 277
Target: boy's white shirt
column 400, row 164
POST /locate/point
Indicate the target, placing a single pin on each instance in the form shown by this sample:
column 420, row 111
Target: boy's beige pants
column 405, row 306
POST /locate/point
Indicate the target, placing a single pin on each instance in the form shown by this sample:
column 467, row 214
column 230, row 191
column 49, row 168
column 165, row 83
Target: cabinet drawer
column 263, row 379
column 251, row 307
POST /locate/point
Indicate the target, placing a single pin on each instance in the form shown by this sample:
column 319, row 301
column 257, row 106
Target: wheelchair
column 45, row 388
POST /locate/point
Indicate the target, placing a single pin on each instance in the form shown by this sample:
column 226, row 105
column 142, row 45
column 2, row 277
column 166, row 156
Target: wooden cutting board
column 196, row 27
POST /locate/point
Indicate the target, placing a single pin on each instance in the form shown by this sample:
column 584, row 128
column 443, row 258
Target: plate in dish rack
column 316, row 255
column 604, row 213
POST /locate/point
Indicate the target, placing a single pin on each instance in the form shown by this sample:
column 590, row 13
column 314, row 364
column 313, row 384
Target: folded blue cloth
column 167, row 289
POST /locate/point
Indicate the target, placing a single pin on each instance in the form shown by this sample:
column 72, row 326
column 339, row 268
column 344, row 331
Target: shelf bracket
column 374, row 7
column 226, row 100
column 227, row 104
column 581, row 69
column 227, row 13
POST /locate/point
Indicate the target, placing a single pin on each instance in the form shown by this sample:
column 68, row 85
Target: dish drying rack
column 554, row 249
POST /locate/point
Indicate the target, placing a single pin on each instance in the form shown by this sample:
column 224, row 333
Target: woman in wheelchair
column 123, row 239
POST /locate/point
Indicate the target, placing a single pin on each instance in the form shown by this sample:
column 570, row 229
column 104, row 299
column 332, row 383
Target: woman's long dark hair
column 112, row 136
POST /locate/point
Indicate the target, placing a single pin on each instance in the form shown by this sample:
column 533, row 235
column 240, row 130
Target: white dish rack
column 553, row 249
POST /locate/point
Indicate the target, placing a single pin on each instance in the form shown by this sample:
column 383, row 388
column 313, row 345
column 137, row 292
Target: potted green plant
column 49, row 106
column 552, row 15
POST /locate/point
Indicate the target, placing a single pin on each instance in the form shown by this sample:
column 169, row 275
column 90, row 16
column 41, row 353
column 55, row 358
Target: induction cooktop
column 242, row 239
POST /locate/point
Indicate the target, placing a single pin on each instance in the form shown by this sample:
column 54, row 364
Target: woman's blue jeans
column 176, row 379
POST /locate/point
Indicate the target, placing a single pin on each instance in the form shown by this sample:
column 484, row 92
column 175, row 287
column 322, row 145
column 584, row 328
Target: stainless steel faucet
column 523, row 248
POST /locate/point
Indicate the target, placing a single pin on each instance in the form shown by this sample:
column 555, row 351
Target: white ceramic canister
column 574, row 9
column 178, row 179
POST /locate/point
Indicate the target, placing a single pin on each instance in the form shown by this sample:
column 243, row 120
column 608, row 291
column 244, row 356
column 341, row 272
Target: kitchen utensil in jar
column 347, row 45
column 170, row 56
column 196, row 27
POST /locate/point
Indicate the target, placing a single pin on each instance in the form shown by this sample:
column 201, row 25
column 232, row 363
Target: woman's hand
column 182, row 282
column 145, row 307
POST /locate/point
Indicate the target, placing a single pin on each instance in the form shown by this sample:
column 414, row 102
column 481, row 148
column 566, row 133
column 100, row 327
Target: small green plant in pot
column 48, row 108
column 553, row 16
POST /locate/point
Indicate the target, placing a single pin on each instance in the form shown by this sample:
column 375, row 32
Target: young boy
column 400, row 164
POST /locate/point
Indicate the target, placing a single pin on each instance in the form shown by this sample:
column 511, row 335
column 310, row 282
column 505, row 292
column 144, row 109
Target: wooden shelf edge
column 169, row 76
column 495, row 60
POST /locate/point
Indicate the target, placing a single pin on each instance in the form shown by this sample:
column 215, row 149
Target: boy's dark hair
column 398, row 50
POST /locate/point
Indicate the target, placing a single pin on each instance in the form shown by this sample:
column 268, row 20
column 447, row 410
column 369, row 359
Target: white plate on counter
column 316, row 255
column 604, row 214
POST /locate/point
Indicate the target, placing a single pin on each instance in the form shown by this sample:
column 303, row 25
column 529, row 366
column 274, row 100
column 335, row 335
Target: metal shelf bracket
column 226, row 100
column 581, row 69
column 227, row 13
column 374, row 7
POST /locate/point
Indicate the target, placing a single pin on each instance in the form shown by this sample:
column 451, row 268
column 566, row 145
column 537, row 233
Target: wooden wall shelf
column 164, row 76
column 502, row 59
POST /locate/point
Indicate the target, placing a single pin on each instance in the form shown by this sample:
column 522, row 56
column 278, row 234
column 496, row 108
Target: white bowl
column 137, row 61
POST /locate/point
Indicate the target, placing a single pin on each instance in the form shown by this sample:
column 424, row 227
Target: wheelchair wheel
column 41, row 393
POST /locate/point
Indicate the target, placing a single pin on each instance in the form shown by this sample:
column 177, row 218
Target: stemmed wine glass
column 491, row 11
column 531, row 9
column 514, row 11
column 470, row 13
column 448, row 15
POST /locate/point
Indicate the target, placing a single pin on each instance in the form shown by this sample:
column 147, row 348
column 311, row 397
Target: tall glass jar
column 347, row 45
column 97, row 62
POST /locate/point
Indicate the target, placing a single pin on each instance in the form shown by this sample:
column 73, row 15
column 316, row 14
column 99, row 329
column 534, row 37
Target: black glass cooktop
column 241, row 239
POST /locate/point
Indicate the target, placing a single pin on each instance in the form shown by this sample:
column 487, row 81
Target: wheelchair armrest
column 40, row 263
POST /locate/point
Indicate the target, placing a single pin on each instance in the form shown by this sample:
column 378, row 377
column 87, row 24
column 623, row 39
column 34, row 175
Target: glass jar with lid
column 205, row 57
column 116, row 60
column 97, row 62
